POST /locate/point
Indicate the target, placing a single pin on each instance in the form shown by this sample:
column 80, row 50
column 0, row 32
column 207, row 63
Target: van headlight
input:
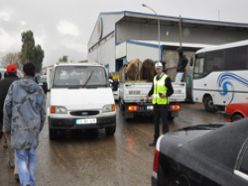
column 109, row 108
column 58, row 110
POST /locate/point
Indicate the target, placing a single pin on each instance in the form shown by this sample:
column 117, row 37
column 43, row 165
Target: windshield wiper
column 86, row 82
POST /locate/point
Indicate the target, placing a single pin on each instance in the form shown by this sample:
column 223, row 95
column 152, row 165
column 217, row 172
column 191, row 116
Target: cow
column 147, row 70
column 133, row 70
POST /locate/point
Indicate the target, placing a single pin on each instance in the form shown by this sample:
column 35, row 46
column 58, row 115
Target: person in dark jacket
column 181, row 66
column 161, row 90
column 10, row 77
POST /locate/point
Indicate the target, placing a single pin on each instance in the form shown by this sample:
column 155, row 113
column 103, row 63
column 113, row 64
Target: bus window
column 198, row 69
column 214, row 61
column 236, row 58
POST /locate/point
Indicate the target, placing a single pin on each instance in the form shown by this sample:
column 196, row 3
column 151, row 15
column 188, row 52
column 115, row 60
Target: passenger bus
column 221, row 75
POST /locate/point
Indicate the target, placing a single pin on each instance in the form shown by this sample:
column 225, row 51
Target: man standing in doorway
column 181, row 66
column 24, row 117
column 161, row 90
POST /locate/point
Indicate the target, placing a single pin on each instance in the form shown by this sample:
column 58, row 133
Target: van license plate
column 85, row 121
column 150, row 107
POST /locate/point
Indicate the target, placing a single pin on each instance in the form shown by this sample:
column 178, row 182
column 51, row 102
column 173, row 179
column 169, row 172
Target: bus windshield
column 79, row 77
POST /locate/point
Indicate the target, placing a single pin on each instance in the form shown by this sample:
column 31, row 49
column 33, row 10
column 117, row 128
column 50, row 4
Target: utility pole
column 146, row 6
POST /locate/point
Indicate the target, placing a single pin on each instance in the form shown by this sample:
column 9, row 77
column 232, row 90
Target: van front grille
column 85, row 113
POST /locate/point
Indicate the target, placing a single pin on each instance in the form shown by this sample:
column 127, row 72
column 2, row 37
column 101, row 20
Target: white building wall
column 104, row 53
column 106, row 22
column 121, row 50
column 141, row 52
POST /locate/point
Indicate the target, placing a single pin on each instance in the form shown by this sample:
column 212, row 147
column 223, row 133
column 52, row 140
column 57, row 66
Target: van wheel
column 52, row 134
column 110, row 131
column 209, row 104
column 236, row 117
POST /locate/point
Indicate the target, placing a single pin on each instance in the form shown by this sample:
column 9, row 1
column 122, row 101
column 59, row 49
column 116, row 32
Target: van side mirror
column 45, row 87
column 115, row 85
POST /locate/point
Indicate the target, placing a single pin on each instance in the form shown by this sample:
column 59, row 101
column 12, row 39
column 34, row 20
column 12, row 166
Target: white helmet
column 158, row 65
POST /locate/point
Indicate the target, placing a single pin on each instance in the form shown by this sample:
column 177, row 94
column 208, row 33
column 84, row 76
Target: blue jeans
column 26, row 163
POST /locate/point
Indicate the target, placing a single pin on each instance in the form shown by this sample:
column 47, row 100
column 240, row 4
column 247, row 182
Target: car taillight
column 52, row 109
column 155, row 161
column 133, row 108
column 175, row 107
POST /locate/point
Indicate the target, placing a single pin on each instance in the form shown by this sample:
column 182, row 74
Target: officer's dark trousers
column 1, row 123
column 160, row 112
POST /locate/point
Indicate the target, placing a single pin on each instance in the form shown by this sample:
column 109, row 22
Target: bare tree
column 12, row 58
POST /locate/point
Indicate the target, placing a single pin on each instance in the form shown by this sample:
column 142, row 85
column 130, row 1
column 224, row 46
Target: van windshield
column 79, row 77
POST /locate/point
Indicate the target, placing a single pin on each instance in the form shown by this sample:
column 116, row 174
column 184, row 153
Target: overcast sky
column 63, row 27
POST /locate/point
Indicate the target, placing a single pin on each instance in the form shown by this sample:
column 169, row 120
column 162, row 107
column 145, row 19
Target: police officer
column 161, row 90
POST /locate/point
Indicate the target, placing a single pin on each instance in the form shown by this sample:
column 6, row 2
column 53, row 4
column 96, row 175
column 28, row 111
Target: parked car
column 203, row 155
column 236, row 111
column 80, row 97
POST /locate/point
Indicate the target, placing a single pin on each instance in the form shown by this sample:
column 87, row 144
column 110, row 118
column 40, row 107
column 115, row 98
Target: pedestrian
column 161, row 90
column 9, row 77
column 181, row 66
column 24, row 117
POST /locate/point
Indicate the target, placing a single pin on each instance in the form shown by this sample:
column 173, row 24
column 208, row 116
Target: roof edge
column 187, row 20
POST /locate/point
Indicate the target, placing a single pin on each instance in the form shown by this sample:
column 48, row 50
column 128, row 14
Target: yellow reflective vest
column 159, row 87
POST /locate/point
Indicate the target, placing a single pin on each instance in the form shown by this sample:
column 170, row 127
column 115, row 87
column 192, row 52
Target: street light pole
column 146, row 6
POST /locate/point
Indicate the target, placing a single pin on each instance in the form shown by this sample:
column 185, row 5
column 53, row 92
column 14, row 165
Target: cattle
column 133, row 70
column 147, row 70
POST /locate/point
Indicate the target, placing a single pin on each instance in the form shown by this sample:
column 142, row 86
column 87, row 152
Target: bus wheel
column 236, row 117
column 209, row 105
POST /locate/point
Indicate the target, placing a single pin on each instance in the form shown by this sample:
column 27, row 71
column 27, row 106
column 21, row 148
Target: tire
column 52, row 134
column 170, row 117
column 110, row 131
column 209, row 105
column 237, row 117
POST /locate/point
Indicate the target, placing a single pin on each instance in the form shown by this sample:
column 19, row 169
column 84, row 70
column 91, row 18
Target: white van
column 80, row 97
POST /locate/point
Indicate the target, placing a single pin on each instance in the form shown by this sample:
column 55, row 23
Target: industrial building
column 122, row 36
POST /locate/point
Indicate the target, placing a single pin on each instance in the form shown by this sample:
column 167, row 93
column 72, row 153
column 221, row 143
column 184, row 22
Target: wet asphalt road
column 91, row 158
